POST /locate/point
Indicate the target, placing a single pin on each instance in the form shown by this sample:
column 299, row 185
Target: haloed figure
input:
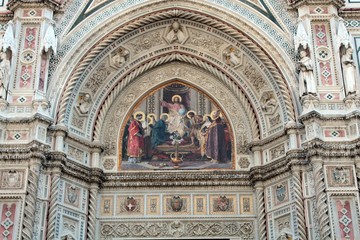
column 215, row 141
column 135, row 144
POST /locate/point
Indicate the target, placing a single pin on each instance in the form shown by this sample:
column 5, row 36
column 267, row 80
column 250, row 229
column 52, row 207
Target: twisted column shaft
column 54, row 192
column 30, row 200
column 321, row 202
column 299, row 203
column 261, row 219
column 92, row 212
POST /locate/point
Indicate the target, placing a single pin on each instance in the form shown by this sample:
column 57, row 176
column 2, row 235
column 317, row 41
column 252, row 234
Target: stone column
column 54, row 193
column 321, row 199
column 299, row 202
column 261, row 215
column 93, row 193
column 291, row 130
column 60, row 133
column 30, row 199
column 95, row 155
column 257, row 156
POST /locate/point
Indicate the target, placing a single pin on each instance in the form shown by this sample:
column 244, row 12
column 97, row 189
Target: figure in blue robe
column 158, row 133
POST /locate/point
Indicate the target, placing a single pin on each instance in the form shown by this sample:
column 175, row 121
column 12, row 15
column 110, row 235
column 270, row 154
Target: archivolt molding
column 247, row 76
column 244, row 126
column 92, row 52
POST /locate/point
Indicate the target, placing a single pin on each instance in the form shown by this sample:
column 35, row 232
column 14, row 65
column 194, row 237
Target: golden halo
column 164, row 114
column 191, row 111
column 205, row 116
column 213, row 112
column 142, row 115
column 151, row 121
column 178, row 96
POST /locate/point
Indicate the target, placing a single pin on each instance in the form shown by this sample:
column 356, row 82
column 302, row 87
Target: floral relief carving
column 97, row 78
column 207, row 41
column 109, row 164
column 255, row 78
column 146, row 42
column 244, row 162
column 170, row 229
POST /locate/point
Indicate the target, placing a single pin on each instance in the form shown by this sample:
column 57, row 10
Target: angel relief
column 176, row 127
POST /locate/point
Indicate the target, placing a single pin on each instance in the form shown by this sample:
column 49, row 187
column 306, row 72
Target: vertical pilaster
column 35, row 40
column 261, row 216
column 299, row 202
column 321, row 199
column 30, row 199
column 54, row 193
column 93, row 193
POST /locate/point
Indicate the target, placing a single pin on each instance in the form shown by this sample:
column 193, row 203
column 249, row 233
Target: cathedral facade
column 179, row 119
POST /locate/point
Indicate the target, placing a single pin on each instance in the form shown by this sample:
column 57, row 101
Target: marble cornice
column 294, row 4
column 280, row 166
column 6, row 16
column 59, row 160
column 177, row 179
column 349, row 13
column 15, row 4
column 318, row 147
column 36, row 116
column 328, row 117
column 26, row 151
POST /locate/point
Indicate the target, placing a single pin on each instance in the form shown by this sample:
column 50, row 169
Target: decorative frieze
column 181, row 228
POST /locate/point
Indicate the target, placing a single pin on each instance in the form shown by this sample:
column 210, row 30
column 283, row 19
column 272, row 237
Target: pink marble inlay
column 32, row 13
column 325, row 74
column 335, row 133
column 30, row 38
column 7, row 221
column 345, row 221
column 320, row 35
column 26, row 76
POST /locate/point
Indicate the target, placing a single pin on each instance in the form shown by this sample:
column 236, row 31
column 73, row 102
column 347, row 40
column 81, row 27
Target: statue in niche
column 176, row 34
column 307, row 82
column 120, row 57
column 4, row 75
column 349, row 71
column 84, row 104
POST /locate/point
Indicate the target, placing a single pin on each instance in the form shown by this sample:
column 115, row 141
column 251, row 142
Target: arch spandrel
column 250, row 75
column 124, row 104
